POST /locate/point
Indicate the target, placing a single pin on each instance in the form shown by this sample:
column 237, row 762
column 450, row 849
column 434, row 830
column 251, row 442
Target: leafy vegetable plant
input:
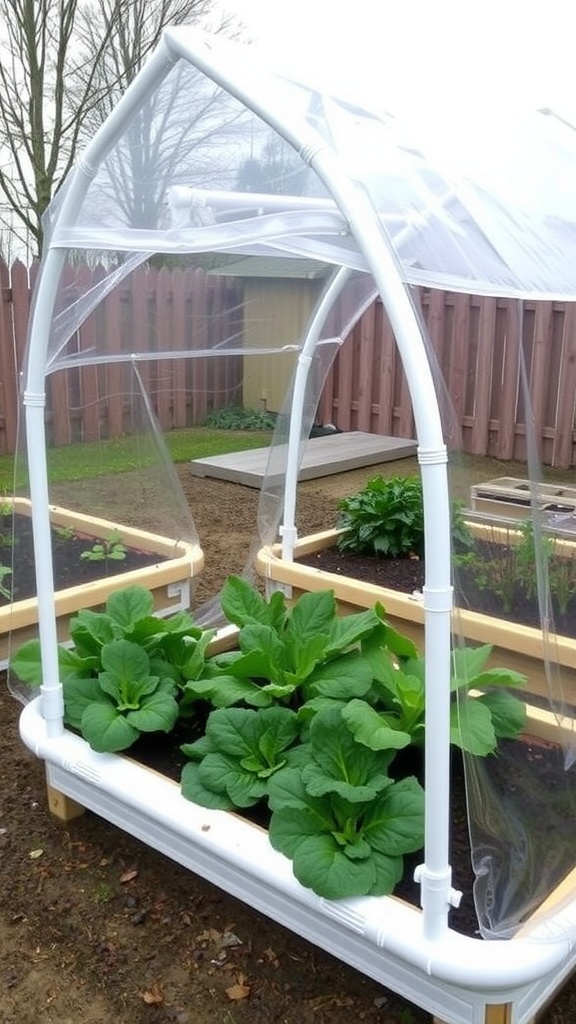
column 289, row 655
column 123, row 701
column 125, row 672
column 238, row 755
column 109, row 549
column 343, row 821
column 482, row 713
column 386, row 518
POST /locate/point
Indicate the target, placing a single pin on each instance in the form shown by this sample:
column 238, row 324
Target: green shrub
column 234, row 417
column 386, row 518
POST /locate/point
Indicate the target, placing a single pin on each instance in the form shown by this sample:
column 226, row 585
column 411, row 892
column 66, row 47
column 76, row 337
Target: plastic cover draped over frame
column 514, row 566
column 198, row 174
column 468, row 211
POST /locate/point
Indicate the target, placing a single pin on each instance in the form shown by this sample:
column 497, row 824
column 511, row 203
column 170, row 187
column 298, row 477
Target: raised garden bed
column 520, row 647
column 235, row 854
column 164, row 566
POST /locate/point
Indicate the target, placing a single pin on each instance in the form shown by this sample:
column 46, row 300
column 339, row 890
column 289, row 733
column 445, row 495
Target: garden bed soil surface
column 70, row 567
column 407, row 575
column 96, row 928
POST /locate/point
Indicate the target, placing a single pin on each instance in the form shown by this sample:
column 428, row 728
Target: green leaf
column 389, row 871
column 371, row 728
column 193, row 789
column 320, row 864
column 223, row 691
column 242, row 604
column 471, row 727
column 382, row 666
column 263, row 653
column 90, row 631
column 158, row 712
column 238, row 731
column 224, row 774
column 126, row 677
column 500, row 677
column 398, row 644
column 394, row 824
column 26, row 663
column 195, row 655
column 197, row 750
column 467, row 664
column 125, row 660
column 301, row 656
column 311, row 707
column 345, row 677
column 311, row 615
column 79, row 693
column 340, row 765
column 507, row 712
column 127, row 606
column 348, row 630
column 286, row 789
column 105, row 729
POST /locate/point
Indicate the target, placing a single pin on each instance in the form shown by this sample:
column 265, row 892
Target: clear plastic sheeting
column 118, row 515
column 228, row 172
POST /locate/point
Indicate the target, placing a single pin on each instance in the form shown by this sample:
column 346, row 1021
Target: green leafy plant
column 123, row 700
column 237, row 756
column 562, row 579
column 343, row 821
column 560, row 564
column 386, row 518
column 235, row 417
column 64, row 532
column 288, row 655
column 496, row 568
column 126, row 670
column 307, row 717
column 482, row 712
column 109, row 549
column 504, row 567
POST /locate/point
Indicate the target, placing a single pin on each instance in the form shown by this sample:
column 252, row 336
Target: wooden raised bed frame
column 61, row 784
column 168, row 580
column 518, row 647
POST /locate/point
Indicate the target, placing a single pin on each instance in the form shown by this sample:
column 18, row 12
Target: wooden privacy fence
column 479, row 343
column 152, row 310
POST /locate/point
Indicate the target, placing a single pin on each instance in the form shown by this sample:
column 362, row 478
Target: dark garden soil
column 96, row 928
column 407, row 575
column 71, row 567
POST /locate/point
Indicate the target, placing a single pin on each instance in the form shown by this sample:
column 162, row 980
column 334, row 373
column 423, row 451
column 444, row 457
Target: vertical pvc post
column 434, row 875
column 34, row 388
column 288, row 527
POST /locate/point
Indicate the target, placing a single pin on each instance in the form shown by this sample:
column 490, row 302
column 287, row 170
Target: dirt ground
column 96, row 928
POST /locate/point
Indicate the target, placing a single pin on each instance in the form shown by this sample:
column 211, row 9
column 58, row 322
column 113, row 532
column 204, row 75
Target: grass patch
column 120, row 455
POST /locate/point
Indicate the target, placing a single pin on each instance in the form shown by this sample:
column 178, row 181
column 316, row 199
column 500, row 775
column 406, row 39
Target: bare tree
column 38, row 131
column 63, row 65
column 177, row 119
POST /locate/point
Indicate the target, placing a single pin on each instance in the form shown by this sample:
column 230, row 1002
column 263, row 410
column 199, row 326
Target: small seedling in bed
column 64, row 532
column 108, row 549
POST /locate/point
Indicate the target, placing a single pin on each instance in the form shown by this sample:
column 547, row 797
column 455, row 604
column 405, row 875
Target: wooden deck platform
column 323, row 456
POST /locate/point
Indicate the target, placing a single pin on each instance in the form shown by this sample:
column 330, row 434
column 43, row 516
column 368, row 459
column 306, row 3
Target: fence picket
column 564, row 449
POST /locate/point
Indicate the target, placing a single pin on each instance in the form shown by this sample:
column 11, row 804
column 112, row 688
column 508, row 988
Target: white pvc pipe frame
column 433, row 946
